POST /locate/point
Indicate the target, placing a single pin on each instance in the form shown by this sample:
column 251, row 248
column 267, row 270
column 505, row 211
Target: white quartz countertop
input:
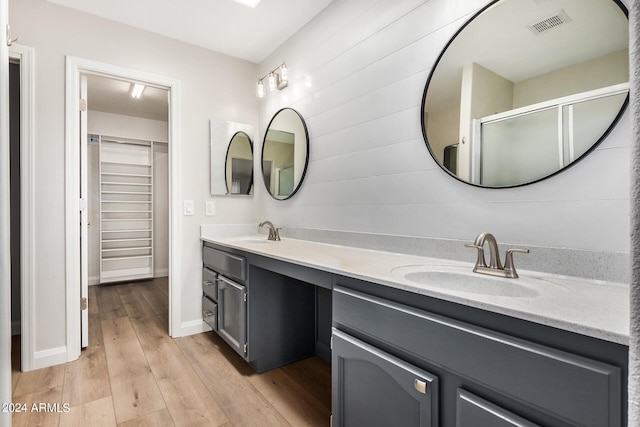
column 589, row 307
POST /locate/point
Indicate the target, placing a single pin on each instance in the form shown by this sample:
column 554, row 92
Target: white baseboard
column 161, row 272
column 49, row 357
column 191, row 328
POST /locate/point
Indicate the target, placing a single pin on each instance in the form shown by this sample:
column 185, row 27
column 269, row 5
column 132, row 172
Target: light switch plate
column 210, row 208
column 188, row 207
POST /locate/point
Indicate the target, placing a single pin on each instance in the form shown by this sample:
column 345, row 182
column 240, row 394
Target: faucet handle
column 480, row 262
column 509, row 266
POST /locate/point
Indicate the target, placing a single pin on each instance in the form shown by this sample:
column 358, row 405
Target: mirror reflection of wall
column 239, row 164
column 526, row 88
column 231, row 165
column 285, row 153
column 281, row 156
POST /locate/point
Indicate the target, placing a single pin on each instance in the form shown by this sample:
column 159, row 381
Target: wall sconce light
column 278, row 78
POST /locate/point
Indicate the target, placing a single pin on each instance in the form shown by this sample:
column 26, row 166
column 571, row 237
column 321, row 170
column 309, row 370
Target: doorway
column 76, row 69
column 15, row 217
column 21, row 124
column 127, row 181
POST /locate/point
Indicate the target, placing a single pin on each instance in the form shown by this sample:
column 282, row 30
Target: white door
column 84, row 218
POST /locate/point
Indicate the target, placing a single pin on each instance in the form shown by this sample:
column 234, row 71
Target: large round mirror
column 526, row 88
column 285, row 153
column 239, row 164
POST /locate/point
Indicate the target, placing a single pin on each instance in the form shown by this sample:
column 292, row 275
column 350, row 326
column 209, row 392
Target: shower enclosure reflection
column 525, row 89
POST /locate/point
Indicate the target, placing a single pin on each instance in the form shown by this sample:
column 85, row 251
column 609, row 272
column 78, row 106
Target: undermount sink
column 462, row 279
column 255, row 240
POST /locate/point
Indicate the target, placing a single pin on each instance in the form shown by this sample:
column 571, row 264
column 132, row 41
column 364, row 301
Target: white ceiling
column 220, row 25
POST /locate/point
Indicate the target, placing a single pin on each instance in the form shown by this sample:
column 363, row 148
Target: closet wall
column 136, row 128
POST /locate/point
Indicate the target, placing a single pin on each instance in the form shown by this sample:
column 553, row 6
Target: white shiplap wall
column 357, row 74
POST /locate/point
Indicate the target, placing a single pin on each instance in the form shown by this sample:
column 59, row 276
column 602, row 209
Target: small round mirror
column 527, row 88
column 285, row 153
column 239, row 164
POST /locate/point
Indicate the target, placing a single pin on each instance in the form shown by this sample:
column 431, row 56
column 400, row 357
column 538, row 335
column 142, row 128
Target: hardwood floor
column 134, row 374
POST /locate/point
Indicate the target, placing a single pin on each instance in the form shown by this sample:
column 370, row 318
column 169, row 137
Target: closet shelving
column 126, row 209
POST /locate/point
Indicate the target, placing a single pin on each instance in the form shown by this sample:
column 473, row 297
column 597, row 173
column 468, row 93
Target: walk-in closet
column 127, row 160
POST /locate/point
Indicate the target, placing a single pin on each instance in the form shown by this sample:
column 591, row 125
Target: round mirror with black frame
column 526, row 89
column 285, row 153
column 239, row 164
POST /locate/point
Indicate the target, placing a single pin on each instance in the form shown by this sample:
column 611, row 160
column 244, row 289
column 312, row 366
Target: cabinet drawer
column 472, row 411
column 566, row 386
column 223, row 262
column 210, row 283
column 210, row 313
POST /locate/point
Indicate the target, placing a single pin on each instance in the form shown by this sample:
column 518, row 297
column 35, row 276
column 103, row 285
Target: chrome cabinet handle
column 420, row 386
column 207, row 282
column 207, row 313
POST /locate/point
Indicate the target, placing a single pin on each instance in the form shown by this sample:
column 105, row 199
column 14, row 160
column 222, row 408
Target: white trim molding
column 193, row 327
column 49, row 357
column 5, row 225
column 74, row 68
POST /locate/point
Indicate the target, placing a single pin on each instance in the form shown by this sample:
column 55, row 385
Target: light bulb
column 260, row 89
column 284, row 73
column 272, row 82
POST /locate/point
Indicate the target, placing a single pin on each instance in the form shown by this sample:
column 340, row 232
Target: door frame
column 25, row 56
column 74, row 67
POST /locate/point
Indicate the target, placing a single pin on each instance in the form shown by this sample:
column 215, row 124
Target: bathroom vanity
column 406, row 352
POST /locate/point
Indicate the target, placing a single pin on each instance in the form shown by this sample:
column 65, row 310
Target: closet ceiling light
column 136, row 90
column 251, row 3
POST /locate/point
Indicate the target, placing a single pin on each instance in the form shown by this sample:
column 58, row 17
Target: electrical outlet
column 210, row 208
column 188, row 207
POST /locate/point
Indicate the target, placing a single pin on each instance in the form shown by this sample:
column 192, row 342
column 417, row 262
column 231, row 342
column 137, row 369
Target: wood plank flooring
column 134, row 374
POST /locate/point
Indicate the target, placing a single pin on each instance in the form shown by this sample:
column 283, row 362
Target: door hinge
column 245, row 297
column 83, row 303
column 331, row 343
column 83, row 204
column 10, row 40
column 83, row 105
column 245, row 348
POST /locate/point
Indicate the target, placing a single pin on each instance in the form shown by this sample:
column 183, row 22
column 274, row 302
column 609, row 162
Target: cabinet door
column 372, row 388
column 472, row 411
column 232, row 314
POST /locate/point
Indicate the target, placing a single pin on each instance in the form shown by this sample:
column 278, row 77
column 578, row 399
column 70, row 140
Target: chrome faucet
column 274, row 233
column 495, row 267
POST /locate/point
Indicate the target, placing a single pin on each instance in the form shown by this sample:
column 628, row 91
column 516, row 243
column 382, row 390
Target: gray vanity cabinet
column 482, row 377
column 232, row 314
column 270, row 312
column 224, row 300
column 473, row 411
column 374, row 389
